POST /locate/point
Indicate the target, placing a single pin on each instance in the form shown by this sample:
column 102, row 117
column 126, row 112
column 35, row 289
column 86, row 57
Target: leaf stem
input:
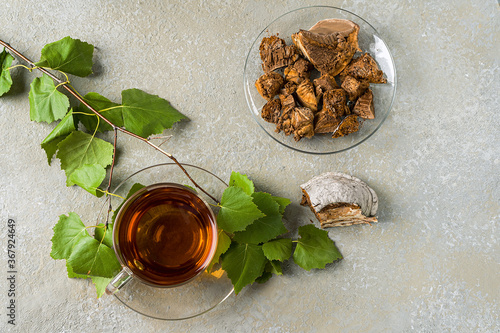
column 62, row 83
column 109, row 193
column 69, row 88
column 110, row 108
column 19, row 65
column 84, row 114
column 92, row 226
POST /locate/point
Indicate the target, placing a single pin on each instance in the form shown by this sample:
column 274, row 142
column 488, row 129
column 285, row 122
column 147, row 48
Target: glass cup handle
column 120, row 280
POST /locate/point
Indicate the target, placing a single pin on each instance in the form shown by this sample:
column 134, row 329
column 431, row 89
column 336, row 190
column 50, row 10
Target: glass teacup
column 164, row 235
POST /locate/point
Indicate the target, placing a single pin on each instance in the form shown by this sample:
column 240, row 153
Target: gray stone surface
column 432, row 264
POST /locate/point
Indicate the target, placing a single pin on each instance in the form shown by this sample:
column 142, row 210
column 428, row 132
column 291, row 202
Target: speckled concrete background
column 432, row 264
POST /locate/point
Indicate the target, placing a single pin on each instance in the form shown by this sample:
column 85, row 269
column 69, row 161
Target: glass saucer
column 369, row 41
column 198, row 296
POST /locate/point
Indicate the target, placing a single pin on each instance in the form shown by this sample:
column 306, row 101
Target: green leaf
column 84, row 254
column 239, row 180
column 46, row 102
column 190, row 187
column 223, row 244
column 243, row 264
column 272, row 267
column 145, row 114
column 80, row 148
column 68, row 55
column 237, row 210
column 89, row 177
column 100, row 284
column 5, row 78
column 314, row 248
column 282, row 202
column 264, row 277
column 67, row 233
column 91, row 257
column 278, row 249
column 136, row 187
column 59, row 133
column 73, row 275
column 264, row 228
column 101, row 232
column 275, row 267
column 112, row 111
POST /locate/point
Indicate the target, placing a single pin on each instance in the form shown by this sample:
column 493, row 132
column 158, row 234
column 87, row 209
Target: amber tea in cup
column 165, row 235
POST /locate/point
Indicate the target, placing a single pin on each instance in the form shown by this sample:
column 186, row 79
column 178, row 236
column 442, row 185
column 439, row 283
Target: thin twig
column 163, row 142
column 108, row 189
column 66, row 86
column 165, row 139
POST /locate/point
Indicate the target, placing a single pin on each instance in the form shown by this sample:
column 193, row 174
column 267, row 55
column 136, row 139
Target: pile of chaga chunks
column 333, row 101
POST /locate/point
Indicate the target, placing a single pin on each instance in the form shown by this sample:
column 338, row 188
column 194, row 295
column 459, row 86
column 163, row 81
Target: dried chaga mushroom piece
column 303, row 123
column 285, row 120
column 287, row 101
column 349, row 125
column 275, row 54
column 271, row 111
column 324, row 83
column 268, row 85
column 329, row 45
column 306, row 96
column 364, row 68
column 298, row 71
column 354, row 88
column 336, row 101
column 288, row 89
column 338, row 199
column 326, row 121
column 364, row 106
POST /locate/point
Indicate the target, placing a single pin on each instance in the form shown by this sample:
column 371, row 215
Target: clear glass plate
column 198, row 296
column 369, row 41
